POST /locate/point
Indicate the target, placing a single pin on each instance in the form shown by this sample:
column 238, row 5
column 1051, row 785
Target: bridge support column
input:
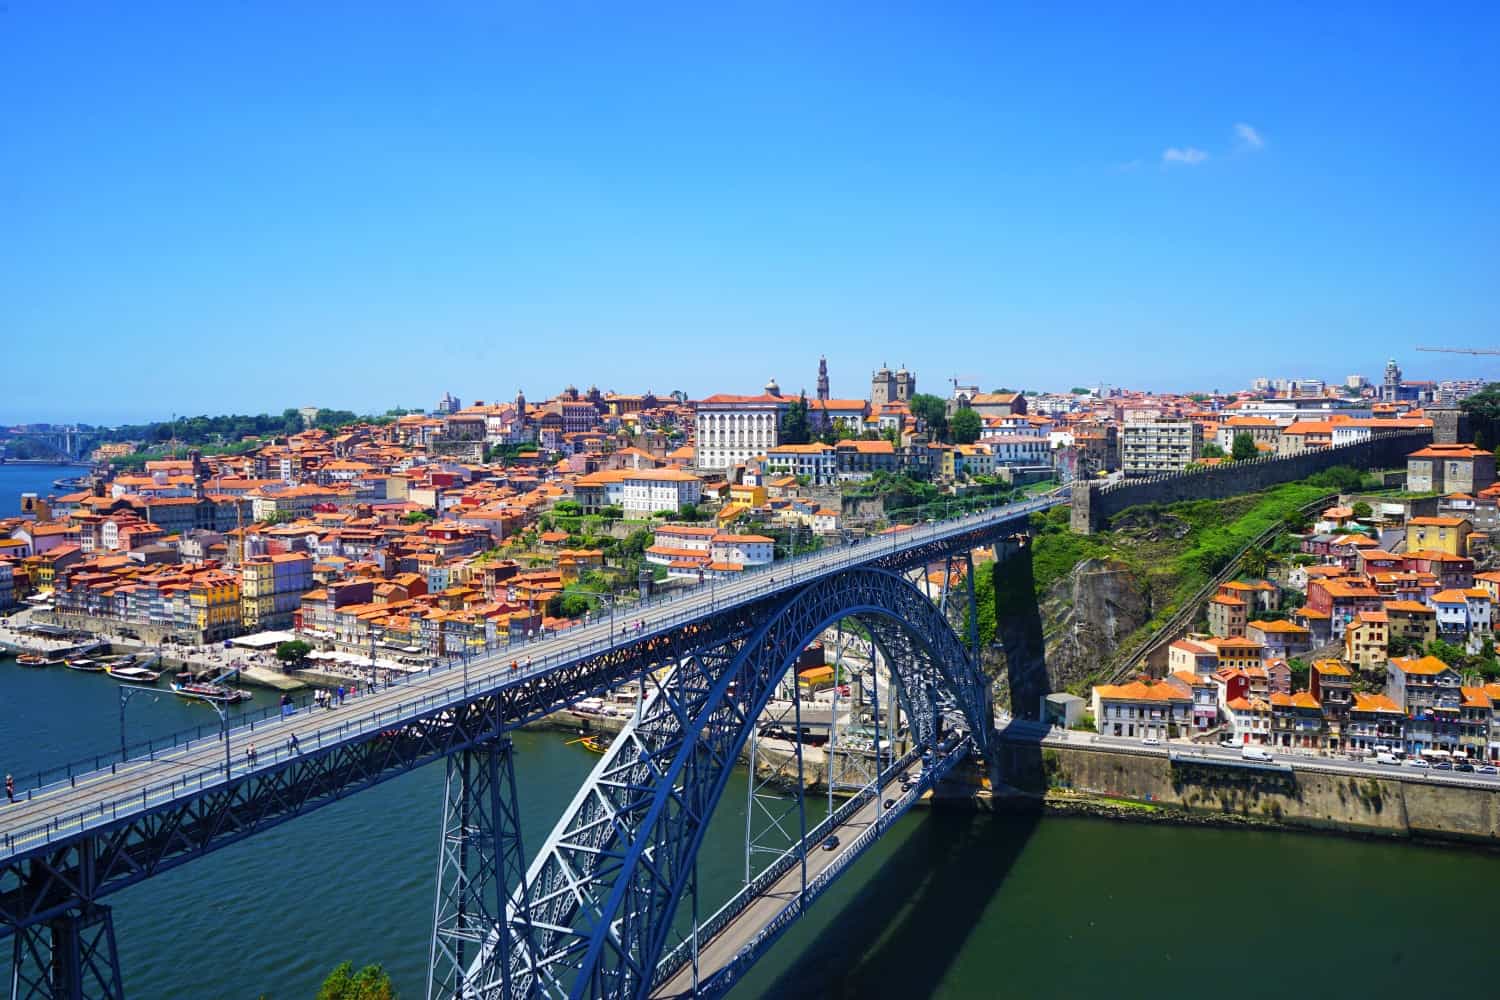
column 480, row 862
column 71, row 957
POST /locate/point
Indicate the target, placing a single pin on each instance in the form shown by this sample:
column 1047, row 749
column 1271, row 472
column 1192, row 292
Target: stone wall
column 1094, row 505
column 1394, row 804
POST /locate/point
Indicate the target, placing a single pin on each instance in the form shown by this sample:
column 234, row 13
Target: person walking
column 250, row 754
column 10, row 788
column 291, row 744
column 341, row 694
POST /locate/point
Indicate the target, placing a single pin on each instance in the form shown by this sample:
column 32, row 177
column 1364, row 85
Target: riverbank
column 1138, row 787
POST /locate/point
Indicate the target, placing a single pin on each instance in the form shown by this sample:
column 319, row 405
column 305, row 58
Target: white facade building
column 646, row 491
column 731, row 430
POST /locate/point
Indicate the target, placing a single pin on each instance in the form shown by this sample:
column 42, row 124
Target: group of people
column 328, row 698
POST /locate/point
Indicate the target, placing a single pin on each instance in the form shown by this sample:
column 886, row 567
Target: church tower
column 823, row 378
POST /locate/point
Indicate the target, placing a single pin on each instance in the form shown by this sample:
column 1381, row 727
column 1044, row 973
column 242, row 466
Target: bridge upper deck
column 110, row 796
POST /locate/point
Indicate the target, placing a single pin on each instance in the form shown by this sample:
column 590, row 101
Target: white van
column 1386, row 757
column 1255, row 754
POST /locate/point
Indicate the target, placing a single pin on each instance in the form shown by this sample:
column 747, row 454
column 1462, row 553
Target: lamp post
column 375, row 634
column 223, row 733
column 128, row 691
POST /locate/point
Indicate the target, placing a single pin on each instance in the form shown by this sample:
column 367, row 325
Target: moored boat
column 85, row 665
column 34, row 660
column 210, row 692
column 132, row 673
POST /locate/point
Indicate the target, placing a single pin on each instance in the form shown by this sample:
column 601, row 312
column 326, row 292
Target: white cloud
column 1249, row 137
column 1188, row 155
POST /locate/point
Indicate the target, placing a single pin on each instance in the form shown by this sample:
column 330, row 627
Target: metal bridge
column 596, row 912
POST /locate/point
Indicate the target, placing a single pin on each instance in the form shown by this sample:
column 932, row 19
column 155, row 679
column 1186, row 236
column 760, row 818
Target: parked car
column 1487, row 769
column 1417, row 762
column 1464, row 766
column 1443, row 765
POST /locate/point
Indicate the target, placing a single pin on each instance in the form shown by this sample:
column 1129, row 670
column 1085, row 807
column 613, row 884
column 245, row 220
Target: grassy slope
column 1142, row 539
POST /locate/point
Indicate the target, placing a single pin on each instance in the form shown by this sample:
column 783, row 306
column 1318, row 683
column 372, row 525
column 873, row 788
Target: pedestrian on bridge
column 10, row 788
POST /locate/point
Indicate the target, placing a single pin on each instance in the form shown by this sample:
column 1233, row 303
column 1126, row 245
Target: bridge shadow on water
column 904, row 927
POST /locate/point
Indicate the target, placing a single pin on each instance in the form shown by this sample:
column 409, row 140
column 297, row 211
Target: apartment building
column 1150, row 447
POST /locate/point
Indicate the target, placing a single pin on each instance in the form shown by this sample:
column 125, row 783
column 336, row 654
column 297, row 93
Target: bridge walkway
column 71, row 808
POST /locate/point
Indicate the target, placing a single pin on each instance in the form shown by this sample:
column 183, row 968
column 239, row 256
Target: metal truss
column 480, row 859
column 600, row 899
column 63, row 875
column 72, row 956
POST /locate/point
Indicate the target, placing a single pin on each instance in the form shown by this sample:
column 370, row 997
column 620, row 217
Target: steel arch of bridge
column 596, row 910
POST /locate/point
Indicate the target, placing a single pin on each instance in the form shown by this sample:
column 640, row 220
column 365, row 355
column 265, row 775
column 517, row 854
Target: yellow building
column 214, row 605
column 1445, row 534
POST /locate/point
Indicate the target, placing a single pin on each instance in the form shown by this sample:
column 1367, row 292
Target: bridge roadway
column 717, row 952
column 102, row 799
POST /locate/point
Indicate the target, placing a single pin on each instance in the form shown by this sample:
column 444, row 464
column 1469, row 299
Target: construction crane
column 1460, row 350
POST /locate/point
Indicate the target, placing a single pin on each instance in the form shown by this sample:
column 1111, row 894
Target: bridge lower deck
column 717, row 952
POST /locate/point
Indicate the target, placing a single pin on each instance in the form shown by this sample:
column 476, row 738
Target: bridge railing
column 725, row 977
column 736, row 904
column 492, row 675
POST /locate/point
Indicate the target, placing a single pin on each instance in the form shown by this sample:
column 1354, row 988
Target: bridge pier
column 70, row 957
column 480, row 861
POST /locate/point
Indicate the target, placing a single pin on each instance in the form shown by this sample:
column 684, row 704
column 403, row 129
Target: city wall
column 1094, row 505
column 1398, row 804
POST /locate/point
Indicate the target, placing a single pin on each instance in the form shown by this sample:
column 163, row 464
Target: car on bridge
column 831, row 844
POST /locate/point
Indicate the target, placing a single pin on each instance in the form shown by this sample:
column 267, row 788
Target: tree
column 933, row 412
column 370, row 983
column 1243, row 447
column 1212, row 450
column 965, row 426
column 612, row 512
column 689, row 512
column 1079, row 390
column 1363, row 511
column 567, row 507
column 794, row 425
column 1255, row 562
column 1483, row 408
column 293, row 650
column 572, row 605
column 417, row 517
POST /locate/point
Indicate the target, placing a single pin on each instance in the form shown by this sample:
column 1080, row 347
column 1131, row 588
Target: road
column 718, row 951
column 1015, row 730
column 63, row 810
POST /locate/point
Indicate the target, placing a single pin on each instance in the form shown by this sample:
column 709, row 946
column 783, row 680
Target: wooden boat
column 220, row 693
column 84, row 664
column 34, row 660
column 593, row 743
column 132, row 674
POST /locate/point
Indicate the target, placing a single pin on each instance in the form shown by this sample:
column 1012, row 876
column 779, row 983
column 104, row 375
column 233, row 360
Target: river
column 948, row 904
column 17, row 479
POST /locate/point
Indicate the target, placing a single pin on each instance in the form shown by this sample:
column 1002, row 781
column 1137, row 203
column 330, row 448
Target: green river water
column 949, row 904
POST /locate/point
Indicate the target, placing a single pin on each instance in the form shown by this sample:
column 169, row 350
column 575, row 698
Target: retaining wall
column 1093, row 506
column 1390, row 805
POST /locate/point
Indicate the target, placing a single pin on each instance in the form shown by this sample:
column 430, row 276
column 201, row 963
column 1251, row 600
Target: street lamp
column 128, row 691
column 375, row 634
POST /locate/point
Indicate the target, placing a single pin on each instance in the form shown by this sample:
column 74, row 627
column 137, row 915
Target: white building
column 731, row 430
column 818, row 462
column 743, row 550
column 647, row 491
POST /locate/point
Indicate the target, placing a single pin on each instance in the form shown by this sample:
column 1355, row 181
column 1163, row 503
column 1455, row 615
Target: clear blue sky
column 246, row 206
